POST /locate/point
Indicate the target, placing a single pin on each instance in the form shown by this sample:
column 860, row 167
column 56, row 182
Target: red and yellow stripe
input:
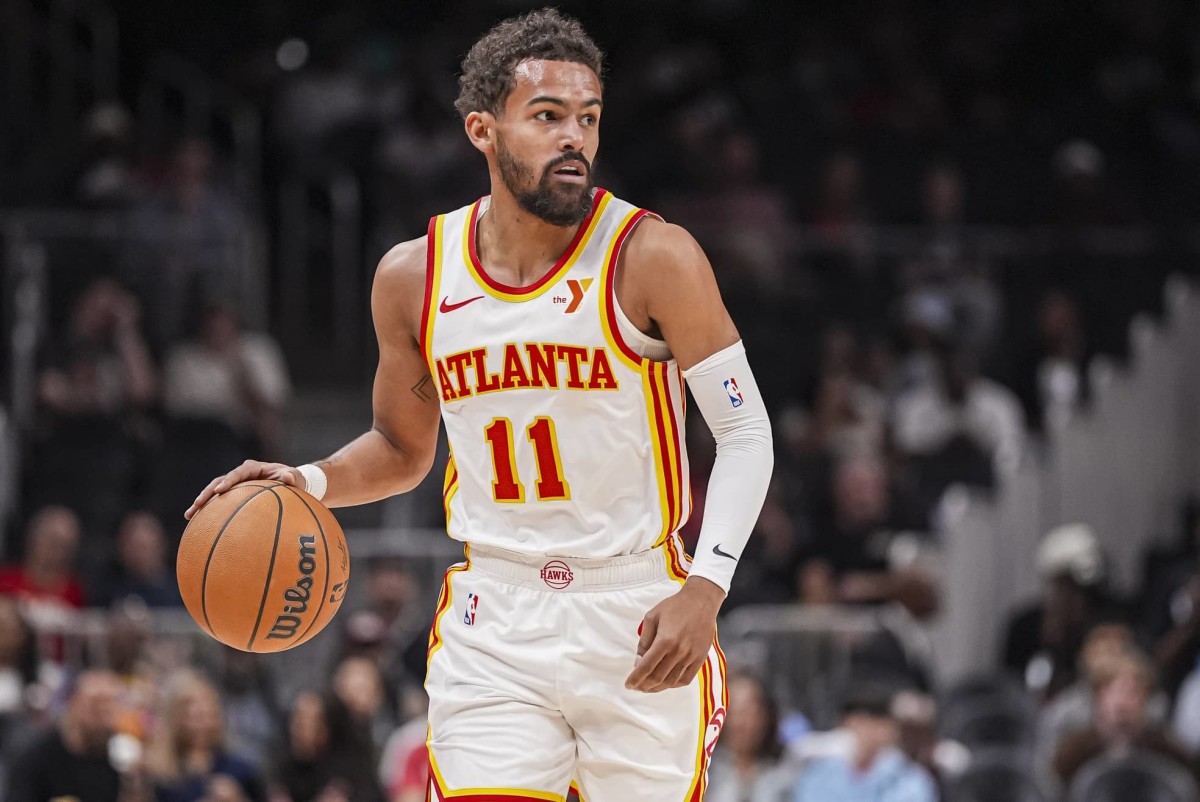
column 666, row 438
column 449, row 485
column 517, row 294
column 433, row 280
column 444, row 603
column 608, row 313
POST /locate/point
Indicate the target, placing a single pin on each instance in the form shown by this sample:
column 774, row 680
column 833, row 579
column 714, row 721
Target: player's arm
column 668, row 287
column 396, row 454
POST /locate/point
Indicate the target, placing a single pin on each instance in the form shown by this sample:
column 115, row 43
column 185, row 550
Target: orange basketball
column 263, row 567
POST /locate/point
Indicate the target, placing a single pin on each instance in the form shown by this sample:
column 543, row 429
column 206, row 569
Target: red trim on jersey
column 665, row 447
column 610, row 285
column 679, row 446
column 498, row 795
column 431, row 244
column 473, row 253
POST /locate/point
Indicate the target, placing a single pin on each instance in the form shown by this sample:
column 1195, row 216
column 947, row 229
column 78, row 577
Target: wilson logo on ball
column 297, row 597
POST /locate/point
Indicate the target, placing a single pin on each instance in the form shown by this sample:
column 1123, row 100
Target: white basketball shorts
column 527, row 665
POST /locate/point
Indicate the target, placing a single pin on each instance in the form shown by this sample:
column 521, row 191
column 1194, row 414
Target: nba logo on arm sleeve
column 735, row 395
column 472, row 606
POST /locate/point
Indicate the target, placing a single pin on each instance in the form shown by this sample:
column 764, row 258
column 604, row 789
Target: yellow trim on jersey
column 445, row 603
column 671, row 422
column 580, row 247
column 607, row 266
column 659, row 455
column 443, row 791
column 449, row 486
column 435, row 285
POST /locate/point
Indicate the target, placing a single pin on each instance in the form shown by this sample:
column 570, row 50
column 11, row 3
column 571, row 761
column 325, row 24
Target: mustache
column 571, row 156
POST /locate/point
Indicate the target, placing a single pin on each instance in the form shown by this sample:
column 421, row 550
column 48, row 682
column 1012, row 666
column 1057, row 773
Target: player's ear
column 481, row 130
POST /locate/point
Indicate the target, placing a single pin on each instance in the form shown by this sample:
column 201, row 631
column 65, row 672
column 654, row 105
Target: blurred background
column 961, row 242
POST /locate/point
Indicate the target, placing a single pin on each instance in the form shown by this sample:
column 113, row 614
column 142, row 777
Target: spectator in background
column 94, row 389
column 250, row 705
column 44, row 582
column 1042, row 643
column 861, row 761
column 1173, row 620
column 1074, row 708
column 21, row 694
column 105, row 178
column 327, row 758
column 390, row 629
column 226, row 389
column 189, row 232
column 843, row 207
column 72, row 761
column 1052, row 382
column 358, row 685
column 142, row 572
column 749, row 766
column 229, row 377
column 1122, row 723
column 858, row 556
column 948, row 422
column 128, row 632
column 187, row 758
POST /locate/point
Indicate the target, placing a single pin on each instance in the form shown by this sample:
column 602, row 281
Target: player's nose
column 571, row 136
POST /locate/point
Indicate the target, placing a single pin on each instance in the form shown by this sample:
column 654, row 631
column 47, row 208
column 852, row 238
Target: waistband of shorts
column 568, row 574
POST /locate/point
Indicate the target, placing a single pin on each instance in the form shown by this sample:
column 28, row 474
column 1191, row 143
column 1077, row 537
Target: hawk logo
column 735, row 395
column 472, row 606
column 713, row 732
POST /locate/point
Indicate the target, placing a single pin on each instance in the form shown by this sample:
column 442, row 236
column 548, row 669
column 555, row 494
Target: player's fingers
column 205, row 495
column 639, row 678
column 646, row 632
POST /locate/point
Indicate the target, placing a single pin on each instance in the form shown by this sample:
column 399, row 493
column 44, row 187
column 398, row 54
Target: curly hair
column 488, row 71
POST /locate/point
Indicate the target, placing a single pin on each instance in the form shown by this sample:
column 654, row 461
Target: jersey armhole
column 612, row 316
column 433, row 269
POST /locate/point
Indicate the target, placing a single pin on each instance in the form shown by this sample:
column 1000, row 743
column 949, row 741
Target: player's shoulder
column 658, row 251
column 399, row 286
column 404, row 263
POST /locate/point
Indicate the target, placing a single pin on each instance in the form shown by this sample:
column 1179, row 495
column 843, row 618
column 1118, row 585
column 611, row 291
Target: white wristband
column 315, row 481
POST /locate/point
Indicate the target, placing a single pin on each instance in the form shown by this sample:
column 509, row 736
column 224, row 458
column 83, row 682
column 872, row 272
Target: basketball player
column 553, row 325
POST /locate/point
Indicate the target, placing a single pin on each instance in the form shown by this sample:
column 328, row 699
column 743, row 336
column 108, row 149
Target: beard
column 562, row 205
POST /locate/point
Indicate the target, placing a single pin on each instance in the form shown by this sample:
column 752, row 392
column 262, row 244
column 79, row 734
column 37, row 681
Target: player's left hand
column 676, row 636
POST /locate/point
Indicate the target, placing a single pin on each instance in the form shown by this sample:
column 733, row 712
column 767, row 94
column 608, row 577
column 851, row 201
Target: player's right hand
column 250, row 469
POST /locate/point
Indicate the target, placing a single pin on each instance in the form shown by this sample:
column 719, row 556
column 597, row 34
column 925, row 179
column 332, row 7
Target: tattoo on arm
column 423, row 390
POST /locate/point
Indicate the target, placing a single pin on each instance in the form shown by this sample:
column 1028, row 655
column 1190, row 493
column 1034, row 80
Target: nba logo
column 735, row 395
column 472, row 605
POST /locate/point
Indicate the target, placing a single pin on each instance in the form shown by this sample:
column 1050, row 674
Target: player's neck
column 515, row 246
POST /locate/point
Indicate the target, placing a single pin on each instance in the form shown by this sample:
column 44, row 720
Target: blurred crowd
column 847, row 176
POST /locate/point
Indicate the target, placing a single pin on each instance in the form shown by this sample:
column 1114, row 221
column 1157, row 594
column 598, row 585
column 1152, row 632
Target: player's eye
column 544, row 116
column 589, row 119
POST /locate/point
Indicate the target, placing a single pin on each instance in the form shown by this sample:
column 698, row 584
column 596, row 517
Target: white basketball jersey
column 564, row 441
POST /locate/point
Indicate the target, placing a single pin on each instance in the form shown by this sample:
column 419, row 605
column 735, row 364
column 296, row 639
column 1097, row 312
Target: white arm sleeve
column 728, row 398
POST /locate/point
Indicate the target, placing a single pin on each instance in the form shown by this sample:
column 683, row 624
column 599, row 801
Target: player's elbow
column 409, row 464
column 750, row 436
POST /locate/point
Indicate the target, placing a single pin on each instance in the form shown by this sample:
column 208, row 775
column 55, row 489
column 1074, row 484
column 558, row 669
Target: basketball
column 263, row 567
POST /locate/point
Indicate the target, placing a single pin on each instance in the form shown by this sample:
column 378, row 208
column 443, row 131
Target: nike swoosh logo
column 717, row 551
column 445, row 307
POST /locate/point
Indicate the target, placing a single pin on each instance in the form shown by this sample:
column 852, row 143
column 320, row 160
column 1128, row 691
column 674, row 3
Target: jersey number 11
column 507, row 487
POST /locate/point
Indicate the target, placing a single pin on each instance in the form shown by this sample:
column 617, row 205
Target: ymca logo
column 578, row 289
column 713, row 732
column 735, row 395
column 472, row 606
column 557, row 574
